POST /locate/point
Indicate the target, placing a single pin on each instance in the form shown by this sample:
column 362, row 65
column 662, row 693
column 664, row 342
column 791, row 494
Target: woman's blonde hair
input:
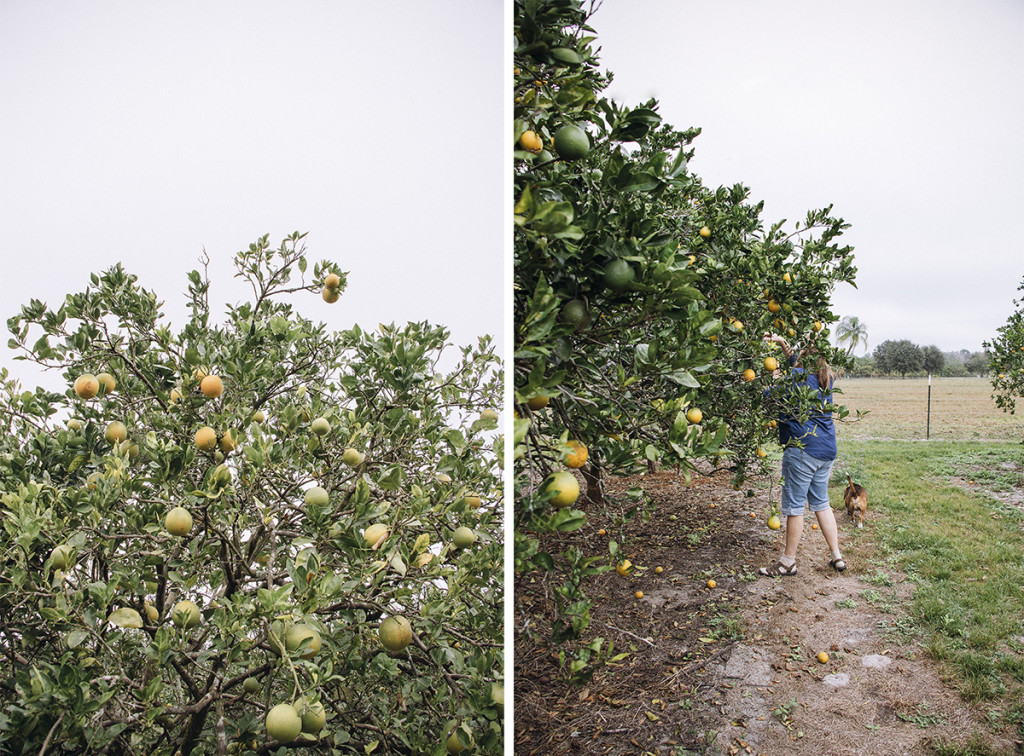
column 825, row 374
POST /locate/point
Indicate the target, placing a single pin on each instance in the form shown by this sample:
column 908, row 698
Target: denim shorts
column 804, row 479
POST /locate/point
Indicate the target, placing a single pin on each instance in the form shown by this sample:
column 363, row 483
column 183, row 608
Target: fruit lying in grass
column 658, row 570
column 774, row 523
column 178, row 522
column 395, row 633
column 565, row 487
column 87, row 386
column 212, row 386
column 639, row 594
column 283, row 723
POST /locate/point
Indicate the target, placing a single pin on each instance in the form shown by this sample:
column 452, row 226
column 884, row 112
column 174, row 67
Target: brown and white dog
column 856, row 498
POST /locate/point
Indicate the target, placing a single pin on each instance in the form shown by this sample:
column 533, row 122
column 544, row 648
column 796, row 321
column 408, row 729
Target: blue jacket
column 818, row 434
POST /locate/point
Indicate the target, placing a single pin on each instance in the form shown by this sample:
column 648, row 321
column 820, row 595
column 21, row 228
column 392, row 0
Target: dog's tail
column 849, row 480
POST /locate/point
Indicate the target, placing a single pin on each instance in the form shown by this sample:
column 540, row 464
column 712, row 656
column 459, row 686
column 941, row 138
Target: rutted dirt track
column 733, row 669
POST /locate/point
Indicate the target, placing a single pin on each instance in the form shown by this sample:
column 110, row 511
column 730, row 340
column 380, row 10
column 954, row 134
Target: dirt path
column 733, row 670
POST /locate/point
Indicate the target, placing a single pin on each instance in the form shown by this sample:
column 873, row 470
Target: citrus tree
column 248, row 537
column 1006, row 359
column 642, row 297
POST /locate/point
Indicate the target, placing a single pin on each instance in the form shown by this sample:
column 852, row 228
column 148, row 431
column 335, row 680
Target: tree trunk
column 592, row 475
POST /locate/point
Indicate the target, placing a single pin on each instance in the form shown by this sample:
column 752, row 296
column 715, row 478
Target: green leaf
column 77, row 637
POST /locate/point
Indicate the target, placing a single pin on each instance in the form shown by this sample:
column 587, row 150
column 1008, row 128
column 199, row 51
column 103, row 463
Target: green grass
column 961, row 409
column 963, row 550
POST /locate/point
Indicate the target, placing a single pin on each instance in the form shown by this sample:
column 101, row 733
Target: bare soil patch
column 733, row 669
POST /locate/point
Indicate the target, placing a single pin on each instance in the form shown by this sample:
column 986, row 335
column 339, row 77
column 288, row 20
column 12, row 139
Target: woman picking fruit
column 809, row 452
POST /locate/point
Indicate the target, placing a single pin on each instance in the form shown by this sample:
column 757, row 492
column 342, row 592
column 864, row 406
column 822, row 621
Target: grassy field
column 948, row 515
column 961, row 409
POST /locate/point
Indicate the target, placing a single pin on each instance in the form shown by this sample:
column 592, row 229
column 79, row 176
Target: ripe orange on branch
column 577, row 457
column 530, row 142
column 565, row 486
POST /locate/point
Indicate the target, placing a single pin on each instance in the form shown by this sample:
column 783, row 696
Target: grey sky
column 907, row 116
column 144, row 132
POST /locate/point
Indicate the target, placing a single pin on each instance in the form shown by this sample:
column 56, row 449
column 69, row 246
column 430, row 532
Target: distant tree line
column 905, row 358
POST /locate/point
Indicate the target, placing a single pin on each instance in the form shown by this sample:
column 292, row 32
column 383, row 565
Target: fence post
column 928, row 432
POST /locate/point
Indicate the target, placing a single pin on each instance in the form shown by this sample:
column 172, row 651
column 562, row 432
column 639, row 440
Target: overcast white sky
column 906, row 116
column 144, row 132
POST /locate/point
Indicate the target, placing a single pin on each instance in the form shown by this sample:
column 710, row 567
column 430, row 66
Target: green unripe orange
column 618, row 275
column 463, row 537
column 296, row 634
column 395, row 633
column 572, row 142
column 178, row 522
column 317, row 497
column 186, row 614
column 283, row 723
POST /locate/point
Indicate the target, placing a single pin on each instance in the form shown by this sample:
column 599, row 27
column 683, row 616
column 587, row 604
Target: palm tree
column 852, row 331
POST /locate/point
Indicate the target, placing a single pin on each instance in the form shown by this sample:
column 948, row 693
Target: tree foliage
column 640, row 293
column 901, row 357
column 97, row 657
column 1007, row 359
column 932, row 359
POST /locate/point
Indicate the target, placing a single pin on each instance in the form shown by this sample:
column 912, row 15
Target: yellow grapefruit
column 565, row 486
column 212, row 386
column 87, row 386
column 577, row 456
column 206, row 438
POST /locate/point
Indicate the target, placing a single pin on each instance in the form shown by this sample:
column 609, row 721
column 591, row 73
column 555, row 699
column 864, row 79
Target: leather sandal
column 778, row 570
column 837, row 564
